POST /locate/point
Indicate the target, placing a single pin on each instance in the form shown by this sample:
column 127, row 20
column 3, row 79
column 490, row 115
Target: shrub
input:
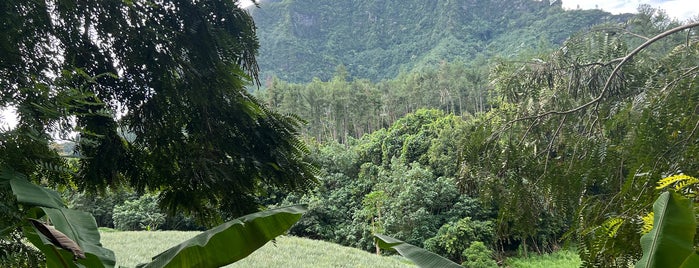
column 453, row 238
column 140, row 214
column 100, row 206
column 477, row 255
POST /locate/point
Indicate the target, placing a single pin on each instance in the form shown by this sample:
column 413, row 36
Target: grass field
column 132, row 248
column 560, row 259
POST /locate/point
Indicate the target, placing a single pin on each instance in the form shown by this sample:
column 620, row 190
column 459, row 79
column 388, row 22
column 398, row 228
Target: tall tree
column 173, row 74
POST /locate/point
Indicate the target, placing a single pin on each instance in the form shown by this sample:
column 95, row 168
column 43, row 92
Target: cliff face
column 377, row 39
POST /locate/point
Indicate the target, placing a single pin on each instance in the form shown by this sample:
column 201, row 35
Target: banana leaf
column 419, row 256
column 231, row 241
column 79, row 227
column 671, row 240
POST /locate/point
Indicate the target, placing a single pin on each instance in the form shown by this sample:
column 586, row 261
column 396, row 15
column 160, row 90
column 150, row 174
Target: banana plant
column 70, row 238
column 671, row 241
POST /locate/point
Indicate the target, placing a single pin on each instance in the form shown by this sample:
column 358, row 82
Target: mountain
column 373, row 39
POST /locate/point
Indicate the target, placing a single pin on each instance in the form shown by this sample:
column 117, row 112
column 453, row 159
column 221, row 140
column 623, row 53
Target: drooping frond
column 611, row 226
column 680, row 182
column 647, row 222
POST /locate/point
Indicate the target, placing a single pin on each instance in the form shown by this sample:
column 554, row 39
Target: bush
column 140, row 214
column 453, row 238
column 477, row 255
column 100, row 206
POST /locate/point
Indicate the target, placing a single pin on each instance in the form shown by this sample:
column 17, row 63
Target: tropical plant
column 478, row 255
column 72, row 240
column 419, row 256
column 671, row 241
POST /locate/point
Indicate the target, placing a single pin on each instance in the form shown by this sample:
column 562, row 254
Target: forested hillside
column 521, row 154
column 377, row 40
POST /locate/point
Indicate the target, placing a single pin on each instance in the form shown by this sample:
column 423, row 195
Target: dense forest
column 377, row 40
column 467, row 133
column 525, row 153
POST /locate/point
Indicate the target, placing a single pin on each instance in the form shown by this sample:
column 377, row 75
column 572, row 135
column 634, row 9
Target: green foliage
column 181, row 100
column 100, row 206
column 379, row 40
column 671, row 240
column 243, row 235
column 231, row 241
column 140, row 214
column 79, row 226
column 478, row 255
column 454, row 238
column 562, row 258
column 375, row 182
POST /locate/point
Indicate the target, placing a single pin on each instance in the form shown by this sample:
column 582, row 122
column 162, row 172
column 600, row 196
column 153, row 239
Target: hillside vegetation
column 376, row 40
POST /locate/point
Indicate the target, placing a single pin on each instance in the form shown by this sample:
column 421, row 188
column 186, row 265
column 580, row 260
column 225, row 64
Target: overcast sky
column 681, row 9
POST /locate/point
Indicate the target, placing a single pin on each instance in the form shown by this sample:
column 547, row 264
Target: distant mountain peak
column 301, row 40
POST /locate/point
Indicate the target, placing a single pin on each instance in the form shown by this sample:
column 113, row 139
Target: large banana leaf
column 671, row 240
column 231, row 241
column 419, row 256
column 79, row 227
column 691, row 261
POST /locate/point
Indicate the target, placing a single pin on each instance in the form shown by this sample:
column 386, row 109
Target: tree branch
column 611, row 76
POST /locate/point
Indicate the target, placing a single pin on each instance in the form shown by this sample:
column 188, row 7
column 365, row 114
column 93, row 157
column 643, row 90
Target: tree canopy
column 156, row 94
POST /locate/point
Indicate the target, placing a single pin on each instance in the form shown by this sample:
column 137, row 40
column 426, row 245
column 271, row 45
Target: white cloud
column 8, row 118
column 245, row 3
column 680, row 9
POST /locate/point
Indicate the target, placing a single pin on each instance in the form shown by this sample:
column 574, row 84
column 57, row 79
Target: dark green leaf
column 32, row 194
column 419, row 256
column 231, row 241
column 671, row 240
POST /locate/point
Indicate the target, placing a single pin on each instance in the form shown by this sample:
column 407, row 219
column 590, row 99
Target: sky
column 679, row 9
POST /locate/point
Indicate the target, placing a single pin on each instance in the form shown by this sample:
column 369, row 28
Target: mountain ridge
column 377, row 40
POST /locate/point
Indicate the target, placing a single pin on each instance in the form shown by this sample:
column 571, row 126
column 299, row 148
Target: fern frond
column 611, row 226
column 674, row 179
column 685, row 183
column 647, row 222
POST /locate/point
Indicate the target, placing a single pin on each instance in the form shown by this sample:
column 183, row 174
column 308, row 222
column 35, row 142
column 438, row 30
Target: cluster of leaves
column 453, row 240
column 404, row 181
column 119, row 208
column 379, row 40
column 140, row 214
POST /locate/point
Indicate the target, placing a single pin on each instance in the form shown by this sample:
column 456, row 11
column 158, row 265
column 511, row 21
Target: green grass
column 132, row 248
column 563, row 259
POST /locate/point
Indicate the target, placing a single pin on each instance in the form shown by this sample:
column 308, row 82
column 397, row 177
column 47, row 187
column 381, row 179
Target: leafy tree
column 140, row 214
column 583, row 133
column 156, row 94
column 478, row 255
column 454, row 238
column 198, row 136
